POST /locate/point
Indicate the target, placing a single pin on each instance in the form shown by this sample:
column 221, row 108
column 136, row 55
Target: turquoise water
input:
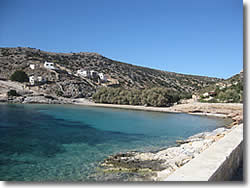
column 67, row 142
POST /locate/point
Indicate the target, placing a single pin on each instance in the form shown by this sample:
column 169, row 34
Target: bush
column 59, row 93
column 185, row 95
column 150, row 97
column 230, row 95
column 12, row 92
column 19, row 76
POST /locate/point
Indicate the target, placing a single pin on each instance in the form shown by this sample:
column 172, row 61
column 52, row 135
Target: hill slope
column 229, row 90
column 65, row 82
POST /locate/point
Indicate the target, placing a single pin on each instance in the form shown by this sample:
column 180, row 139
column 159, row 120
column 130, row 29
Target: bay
column 67, row 142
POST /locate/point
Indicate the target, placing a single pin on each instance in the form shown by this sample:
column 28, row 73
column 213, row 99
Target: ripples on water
column 66, row 142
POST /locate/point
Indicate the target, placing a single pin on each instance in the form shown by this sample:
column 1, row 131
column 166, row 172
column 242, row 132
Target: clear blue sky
column 202, row 37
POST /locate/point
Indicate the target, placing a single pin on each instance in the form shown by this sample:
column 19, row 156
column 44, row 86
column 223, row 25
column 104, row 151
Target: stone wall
column 227, row 169
column 217, row 163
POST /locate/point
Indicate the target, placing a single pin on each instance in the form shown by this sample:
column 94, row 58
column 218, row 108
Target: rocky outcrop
column 166, row 161
column 233, row 111
column 37, row 99
column 237, row 118
column 28, row 95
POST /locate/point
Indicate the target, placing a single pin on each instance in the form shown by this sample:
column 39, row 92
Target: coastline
column 219, row 162
column 223, row 110
column 158, row 165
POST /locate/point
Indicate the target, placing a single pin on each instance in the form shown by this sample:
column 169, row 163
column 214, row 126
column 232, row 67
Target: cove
column 67, row 142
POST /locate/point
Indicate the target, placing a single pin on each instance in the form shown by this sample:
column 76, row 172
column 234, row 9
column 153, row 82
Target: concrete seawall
column 217, row 163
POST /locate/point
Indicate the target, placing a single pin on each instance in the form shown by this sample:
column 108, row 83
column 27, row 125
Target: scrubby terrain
column 64, row 81
column 229, row 90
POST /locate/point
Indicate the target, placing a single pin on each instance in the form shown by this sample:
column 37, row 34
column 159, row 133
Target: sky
column 199, row 37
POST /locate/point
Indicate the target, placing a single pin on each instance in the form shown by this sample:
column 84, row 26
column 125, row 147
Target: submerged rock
column 133, row 162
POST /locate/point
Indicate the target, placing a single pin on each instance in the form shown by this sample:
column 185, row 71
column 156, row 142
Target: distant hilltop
column 78, row 75
column 50, row 53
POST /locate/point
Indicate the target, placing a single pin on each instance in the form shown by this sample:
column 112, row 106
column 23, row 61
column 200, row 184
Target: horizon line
column 121, row 61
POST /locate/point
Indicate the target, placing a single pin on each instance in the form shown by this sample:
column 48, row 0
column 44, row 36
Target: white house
column 32, row 66
column 103, row 77
column 36, row 79
column 32, row 80
column 205, row 95
column 83, row 73
column 93, row 74
column 90, row 74
column 41, row 79
column 49, row 65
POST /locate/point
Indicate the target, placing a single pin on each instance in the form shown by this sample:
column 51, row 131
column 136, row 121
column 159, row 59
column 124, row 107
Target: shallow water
column 67, row 142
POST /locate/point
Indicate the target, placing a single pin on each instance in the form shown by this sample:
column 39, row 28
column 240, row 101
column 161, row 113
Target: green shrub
column 185, row 95
column 19, row 76
column 12, row 92
column 150, row 97
column 59, row 93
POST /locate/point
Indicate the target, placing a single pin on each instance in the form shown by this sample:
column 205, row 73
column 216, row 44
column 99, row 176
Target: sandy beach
column 196, row 108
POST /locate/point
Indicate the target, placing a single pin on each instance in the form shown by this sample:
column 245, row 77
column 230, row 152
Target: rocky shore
column 37, row 99
column 27, row 95
column 157, row 166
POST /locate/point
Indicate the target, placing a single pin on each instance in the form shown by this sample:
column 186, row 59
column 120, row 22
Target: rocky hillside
column 229, row 90
column 65, row 82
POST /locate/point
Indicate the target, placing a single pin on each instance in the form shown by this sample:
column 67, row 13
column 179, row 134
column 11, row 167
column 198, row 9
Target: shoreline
column 159, row 164
column 221, row 110
column 219, row 162
column 191, row 108
column 155, row 166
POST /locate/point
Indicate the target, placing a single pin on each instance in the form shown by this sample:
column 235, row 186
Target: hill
column 229, row 90
column 64, row 80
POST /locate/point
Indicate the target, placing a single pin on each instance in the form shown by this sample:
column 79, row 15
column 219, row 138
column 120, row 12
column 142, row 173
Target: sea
column 67, row 143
